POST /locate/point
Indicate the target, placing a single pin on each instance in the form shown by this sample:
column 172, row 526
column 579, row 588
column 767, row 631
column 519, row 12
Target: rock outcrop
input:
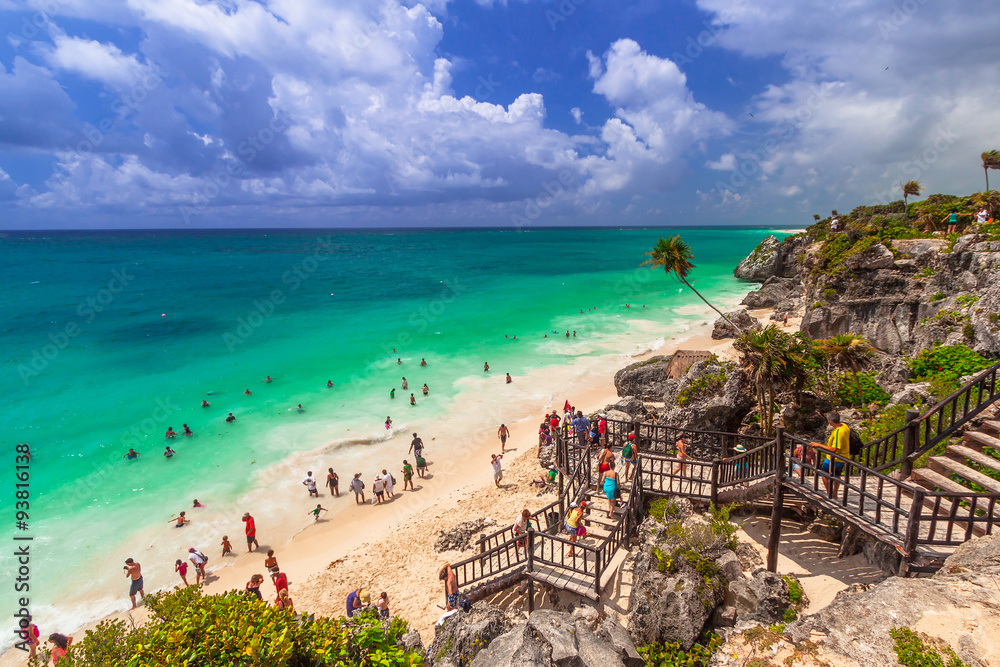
column 775, row 292
column 740, row 318
column 762, row 263
column 464, row 634
column 645, row 380
column 957, row 605
column 762, row 597
column 555, row 639
column 459, row 538
column 712, row 396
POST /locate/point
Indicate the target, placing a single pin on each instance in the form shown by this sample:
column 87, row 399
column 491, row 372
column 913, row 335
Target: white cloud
column 577, row 115
column 95, row 60
column 726, row 162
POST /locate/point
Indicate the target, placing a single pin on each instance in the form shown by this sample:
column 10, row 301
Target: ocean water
column 110, row 338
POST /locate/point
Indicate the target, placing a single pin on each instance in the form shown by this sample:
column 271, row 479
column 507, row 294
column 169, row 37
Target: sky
column 500, row 113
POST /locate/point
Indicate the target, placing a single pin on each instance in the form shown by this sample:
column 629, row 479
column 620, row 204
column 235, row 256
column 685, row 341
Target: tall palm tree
column 910, row 189
column 849, row 351
column 772, row 359
column 991, row 160
column 675, row 257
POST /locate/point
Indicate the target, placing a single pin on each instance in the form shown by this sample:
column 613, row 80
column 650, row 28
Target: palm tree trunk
column 770, row 409
column 721, row 314
column 986, row 170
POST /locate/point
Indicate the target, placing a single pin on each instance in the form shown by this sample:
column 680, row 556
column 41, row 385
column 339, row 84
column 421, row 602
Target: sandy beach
column 390, row 547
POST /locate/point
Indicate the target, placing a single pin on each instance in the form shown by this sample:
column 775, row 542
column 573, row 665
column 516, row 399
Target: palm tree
column 910, row 189
column 675, row 257
column 990, row 200
column 772, row 359
column 850, row 351
column 991, row 160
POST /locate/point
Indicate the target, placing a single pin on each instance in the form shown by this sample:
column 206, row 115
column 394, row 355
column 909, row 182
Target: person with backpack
column 630, row 455
column 838, row 442
column 198, row 559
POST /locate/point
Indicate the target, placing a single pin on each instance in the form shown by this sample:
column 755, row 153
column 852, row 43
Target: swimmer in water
column 567, row 334
column 196, row 503
column 413, row 401
column 423, row 362
column 187, row 431
column 425, row 389
column 300, row 408
column 388, row 423
column 247, row 393
column 169, row 453
column 171, row 433
column 230, row 419
column 508, row 378
column 268, row 379
column 574, row 333
column 205, row 404
column 180, row 520
column 131, row 455
column 392, row 393
column 329, row 383
column 399, row 362
column 486, row 367
column 404, row 383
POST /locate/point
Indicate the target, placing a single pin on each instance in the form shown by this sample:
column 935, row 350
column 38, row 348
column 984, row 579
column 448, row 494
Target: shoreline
column 372, row 542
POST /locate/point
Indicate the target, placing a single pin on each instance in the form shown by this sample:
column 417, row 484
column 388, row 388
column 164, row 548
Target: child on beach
column 271, row 563
column 388, row 423
column 407, row 475
column 181, row 568
column 227, row 548
column 383, row 606
column 316, row 512
column 180, row 520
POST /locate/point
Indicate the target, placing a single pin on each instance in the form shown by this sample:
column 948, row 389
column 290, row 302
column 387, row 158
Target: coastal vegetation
column 916, row 649
column 231, row 629
column 772, row 359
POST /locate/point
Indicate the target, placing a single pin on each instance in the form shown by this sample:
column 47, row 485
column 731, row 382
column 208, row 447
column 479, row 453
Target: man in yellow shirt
column 838, row 442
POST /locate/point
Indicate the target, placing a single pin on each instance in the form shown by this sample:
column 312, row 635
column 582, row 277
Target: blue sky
column 242, row 113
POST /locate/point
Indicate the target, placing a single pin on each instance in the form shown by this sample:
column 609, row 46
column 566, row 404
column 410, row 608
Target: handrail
column 747, row 467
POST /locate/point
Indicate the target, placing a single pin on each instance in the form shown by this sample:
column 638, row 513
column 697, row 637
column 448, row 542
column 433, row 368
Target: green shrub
column 706, row 384
column 672, row 655
column 885, row 422
column 829, row 293
column 966, row 300
column 946, row 318
column 948, row 362
column 662, row 509
column 189, row 628
column 790, row 615
column 925, row 272
column 722, row 526
column 969, row 331
column 847, row 390
column 794, row 590
column 919, row 650
column 940, row 296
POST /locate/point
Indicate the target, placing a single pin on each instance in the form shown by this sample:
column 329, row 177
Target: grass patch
column 915, row 649
column 706, row 384
column 671, row 654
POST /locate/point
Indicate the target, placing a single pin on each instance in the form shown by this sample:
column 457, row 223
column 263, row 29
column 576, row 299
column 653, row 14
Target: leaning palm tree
column 849, row 351
column 772, row 359
column 675, row 257
column 991, row 160
column 910, row 189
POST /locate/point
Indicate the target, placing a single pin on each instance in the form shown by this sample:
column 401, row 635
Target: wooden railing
column 662, row 439
column 922, row 432
column 500, row 559
column 747, row 467
column 949, row 519
column 668, row 475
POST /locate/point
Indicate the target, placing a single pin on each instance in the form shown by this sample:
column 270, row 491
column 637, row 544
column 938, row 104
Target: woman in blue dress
column 611, row 490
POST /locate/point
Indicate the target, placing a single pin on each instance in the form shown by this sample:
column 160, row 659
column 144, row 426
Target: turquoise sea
column 110, row 338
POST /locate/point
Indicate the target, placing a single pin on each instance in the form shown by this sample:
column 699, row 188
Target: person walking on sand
column 416, row 446
column 281, row 583
column 407, row 475
column 503, row 432
column 253, row 586
column 31, row 635
column 181, row 568
column 333, row 481
column 134, row 571
column 227, row 547
column 310, row 483
column 378, row 490
column 497, row 470
column 251, row 531
column 359, row 489
column 271, row 564
column 682, row 454
column 450, row 579
column 388, row 481
column 421, row 466
column 315, row 512
column 198, row 559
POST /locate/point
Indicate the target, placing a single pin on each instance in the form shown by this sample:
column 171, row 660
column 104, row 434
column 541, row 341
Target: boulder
column 917, row 248
column 612, row 632
column 874, row 258
column 459, row 538
column 719, row 409
column 957, row 605
column 912, row 394
column 464, row 634
column 730, row 565
column 762, row 263
column 631, row 406
column 761, row 597
column 750, row 558
column 741, row 318
column 775, row 290
column 645, row 380
column 827, row 528
column 552, row 638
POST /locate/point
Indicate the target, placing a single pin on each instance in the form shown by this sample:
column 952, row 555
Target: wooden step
column 962, row 452
column 565, row 580
column 949, row 466
column 991, row 427
column 977, row 440
column 933, row 480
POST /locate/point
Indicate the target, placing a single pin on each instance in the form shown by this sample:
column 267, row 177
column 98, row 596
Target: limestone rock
column 721, row 409
column 775, row 290
column 741, row 318
column 827, row 528
column 912, row 394
column 645, row 380
column 460, row 537
column 876, row 257
column 631, row 406
column 761, row 597
column 411, row 641
column 612, row 632
column 463, row 635
column 730, row 565
column 762, row 263
column 877, row 553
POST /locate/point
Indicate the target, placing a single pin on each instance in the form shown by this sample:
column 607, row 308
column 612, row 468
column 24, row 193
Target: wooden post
column 714, row 493
column 779, row 499
column 911, row 437
column 597, row 571
column 913, row 526
column 530, row 546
